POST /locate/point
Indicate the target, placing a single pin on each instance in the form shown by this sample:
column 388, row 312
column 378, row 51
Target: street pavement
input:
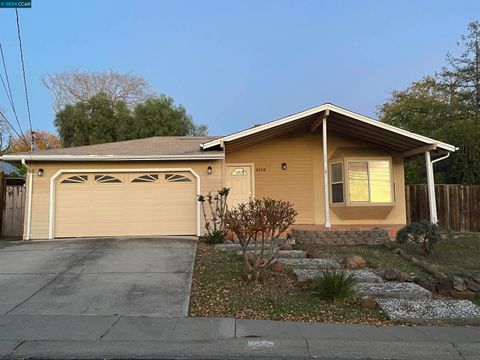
column 140, row 337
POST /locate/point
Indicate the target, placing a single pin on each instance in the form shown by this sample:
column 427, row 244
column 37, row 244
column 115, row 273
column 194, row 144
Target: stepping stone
column 360, row 275
column 228, row 247
column 304, row 263
column 458, row 312
column 291, row 254
column 393, row 289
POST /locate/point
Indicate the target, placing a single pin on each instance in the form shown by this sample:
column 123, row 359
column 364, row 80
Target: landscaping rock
column 391, row 274
column 472, row 285
column 397, row 290
column 368, row 303
column 354, row 262
column 468, row 295
column 303, row 263
column 459, row 284
column 458, row 312
column 287, row 247
column 426, row 284
column 403, row 276
column 278, row 266
column 360, row 275
column 314, row 254
column 291, row 254
column 444, row 286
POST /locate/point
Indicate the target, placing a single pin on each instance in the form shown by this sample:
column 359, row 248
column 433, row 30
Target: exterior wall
column 41, row 185
column 302, row 183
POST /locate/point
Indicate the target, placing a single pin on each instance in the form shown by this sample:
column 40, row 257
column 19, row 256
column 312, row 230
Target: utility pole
column 32, row 141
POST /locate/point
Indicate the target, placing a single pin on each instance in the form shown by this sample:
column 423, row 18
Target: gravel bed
column 393, row 289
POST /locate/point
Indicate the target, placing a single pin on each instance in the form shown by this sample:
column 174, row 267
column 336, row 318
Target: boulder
column 459, row 284
column 472, row 285
column 368, row 303
column 314, row 254
column 391, row 274
column 278, row 266
column 403, row 276
column 354, row 262
column 426, row 284
column 287, row 246
column 444, row 286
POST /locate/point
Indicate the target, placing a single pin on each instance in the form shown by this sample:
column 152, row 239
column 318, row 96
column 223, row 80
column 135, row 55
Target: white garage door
column 123, row 204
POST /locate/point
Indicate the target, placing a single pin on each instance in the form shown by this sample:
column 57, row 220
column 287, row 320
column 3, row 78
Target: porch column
column 325, row 169
column 431, row 188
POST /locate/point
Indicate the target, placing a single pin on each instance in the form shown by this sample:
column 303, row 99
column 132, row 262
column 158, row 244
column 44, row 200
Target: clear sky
column 234, row 64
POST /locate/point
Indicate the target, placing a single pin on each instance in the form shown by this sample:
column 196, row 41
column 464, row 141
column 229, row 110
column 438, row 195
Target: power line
column 8, row 89
column 24, row 76
column 14, row 130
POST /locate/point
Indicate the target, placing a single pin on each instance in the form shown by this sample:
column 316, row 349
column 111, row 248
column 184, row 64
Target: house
column 337, row 167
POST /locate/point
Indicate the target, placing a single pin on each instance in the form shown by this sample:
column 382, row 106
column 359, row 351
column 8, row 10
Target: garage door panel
column 95, row 208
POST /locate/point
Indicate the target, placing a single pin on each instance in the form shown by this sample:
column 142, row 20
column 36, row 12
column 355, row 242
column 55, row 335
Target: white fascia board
column 336, row 109
column 34, row 157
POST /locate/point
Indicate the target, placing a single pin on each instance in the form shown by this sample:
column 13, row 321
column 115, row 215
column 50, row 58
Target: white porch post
column 325, row 170
column 431, row 188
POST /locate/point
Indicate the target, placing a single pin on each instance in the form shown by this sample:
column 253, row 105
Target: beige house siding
column 41, row 185
column 302, row 182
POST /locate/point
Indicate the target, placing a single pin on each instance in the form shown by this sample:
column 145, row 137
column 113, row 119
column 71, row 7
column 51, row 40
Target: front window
column 336, row 176
column 369, row 181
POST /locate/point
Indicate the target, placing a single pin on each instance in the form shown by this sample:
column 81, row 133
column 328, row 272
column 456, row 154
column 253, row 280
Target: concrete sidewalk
column 98, row 337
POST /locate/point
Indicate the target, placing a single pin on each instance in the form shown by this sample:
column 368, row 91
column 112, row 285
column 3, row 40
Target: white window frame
column 369, row 203
column 337, row 182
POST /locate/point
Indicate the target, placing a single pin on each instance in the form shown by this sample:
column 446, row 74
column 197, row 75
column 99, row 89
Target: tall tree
column 446, row 107
column 71, row 87
column 98, row 120
column 94, row 121
column 161, row 117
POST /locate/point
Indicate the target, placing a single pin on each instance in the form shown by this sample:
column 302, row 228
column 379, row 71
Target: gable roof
column 360, row 119
column 152, row 148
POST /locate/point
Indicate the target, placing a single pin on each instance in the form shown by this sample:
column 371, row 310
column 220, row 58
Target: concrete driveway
column 109, row 276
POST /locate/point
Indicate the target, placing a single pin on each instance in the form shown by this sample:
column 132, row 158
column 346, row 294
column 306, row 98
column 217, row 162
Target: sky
column 234, row 64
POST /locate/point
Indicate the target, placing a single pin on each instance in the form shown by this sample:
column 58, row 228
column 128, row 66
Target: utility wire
column 24, row 75
column 8, row 89
column 14, row 130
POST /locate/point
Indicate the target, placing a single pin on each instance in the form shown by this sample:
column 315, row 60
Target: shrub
column 214, row 208
column 423, row 233
column 215, row 237
column 334, row 285
column 261, row 223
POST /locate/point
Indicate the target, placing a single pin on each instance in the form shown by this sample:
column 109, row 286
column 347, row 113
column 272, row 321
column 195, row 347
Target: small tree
column 423, row 232
column 261, row 223
column 214, row 208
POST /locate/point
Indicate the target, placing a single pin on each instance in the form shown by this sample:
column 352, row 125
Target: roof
column 152, row 148
column 362, row 125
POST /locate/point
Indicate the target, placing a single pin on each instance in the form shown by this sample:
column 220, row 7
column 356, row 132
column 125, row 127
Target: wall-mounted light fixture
column 40, row 172
column 209, row 170
column 284, row 166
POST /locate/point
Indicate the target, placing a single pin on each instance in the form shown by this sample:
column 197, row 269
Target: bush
column 215, row 237
column 423, row 233
column 334, row 285
column 261, row 223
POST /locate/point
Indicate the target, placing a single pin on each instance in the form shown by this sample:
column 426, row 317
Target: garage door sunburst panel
column 106, row 179
column 76, row 179
column 176, row 178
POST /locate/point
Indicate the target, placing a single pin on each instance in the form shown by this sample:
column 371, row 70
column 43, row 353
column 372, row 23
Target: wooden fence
column 13, row 211
column 458, row 206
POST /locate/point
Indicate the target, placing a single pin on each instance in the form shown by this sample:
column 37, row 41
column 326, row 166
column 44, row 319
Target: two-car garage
column 88, row 204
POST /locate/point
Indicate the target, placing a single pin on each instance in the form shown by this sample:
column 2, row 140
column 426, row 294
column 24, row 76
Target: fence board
column 13, row 211
column 458, row 206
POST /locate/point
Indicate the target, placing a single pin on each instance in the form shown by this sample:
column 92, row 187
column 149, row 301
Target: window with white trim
column 176, row 178
column 147, row 178
column 369, row 181
column 239, row 172
column 106, row 179
column 336, row 182
column 76, row 179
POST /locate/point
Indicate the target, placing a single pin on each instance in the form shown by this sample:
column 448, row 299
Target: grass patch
column 459, row 255
column 377, row 257
column 218, row 289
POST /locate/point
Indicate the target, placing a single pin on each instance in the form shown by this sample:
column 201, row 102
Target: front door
column 239, row 180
